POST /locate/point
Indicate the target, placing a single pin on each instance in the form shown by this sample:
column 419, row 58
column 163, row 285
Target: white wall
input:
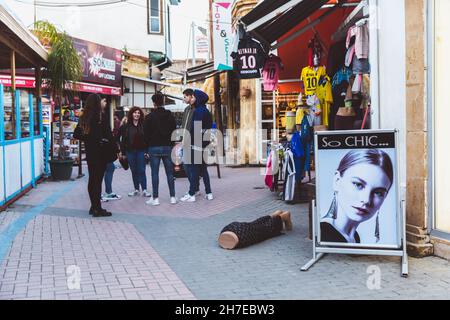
column 12, row 169
column 38, row 157
column 441, row 114
column 137, row 93
column 25, row 149
column 391, row 72
column 115, row 26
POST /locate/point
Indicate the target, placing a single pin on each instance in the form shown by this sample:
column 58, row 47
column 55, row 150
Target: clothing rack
column 360, row 12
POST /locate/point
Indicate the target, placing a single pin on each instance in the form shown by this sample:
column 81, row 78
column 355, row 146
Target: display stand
column 320, row 251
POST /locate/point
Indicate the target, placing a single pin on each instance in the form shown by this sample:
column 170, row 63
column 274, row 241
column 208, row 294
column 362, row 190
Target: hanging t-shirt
column 325, row 94
column 249, row 58
column 271, row 73
column 310, row 77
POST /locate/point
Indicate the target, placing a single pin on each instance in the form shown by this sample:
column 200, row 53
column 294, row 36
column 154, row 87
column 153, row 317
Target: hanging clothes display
column 249, row 58
column 271, row 73
column 269, row 171
column 325, row 94
column 289, row 174
column 310, row 77
column 306, row 134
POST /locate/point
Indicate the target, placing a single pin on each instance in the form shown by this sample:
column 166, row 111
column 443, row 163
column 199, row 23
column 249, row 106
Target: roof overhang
column 14, row 36
column 201, row 72
column 156, row 82
column 271, row 20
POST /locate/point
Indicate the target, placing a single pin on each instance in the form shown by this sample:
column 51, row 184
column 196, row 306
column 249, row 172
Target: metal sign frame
column 322, row 248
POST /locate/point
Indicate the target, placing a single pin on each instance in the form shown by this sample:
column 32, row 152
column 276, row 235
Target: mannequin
column 243, row 234
column 316, row 62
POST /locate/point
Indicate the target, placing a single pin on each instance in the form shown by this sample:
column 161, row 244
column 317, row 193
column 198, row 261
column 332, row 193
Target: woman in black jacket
column 94, row 130
column 134, row 148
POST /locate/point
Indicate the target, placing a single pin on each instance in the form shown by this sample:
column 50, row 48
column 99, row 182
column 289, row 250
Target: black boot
column 100, row 213
column 108, row 213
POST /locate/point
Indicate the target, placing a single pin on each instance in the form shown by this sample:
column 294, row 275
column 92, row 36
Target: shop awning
column 14, row 36
column 272, row 19
column 156, row 82
column 201, row 72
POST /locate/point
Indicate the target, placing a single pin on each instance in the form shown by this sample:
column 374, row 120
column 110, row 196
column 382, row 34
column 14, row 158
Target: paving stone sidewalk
column 171, row 252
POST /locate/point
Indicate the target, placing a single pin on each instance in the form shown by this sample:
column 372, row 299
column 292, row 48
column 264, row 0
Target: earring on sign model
column 333, row 208
column 377, row 227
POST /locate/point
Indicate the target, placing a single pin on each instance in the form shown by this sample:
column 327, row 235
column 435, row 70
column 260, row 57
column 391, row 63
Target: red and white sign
column 95, row 88
column 21, row 82
column 30, row 83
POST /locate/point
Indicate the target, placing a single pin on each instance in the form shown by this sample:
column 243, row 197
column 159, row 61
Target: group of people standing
column 140, row 139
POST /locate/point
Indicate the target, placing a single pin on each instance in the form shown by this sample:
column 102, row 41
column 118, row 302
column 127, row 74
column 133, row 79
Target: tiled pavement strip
column 171, row 251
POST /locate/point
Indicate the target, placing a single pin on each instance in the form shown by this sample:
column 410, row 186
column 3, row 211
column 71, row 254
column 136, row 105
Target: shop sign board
column 100, row 64
column 202, row 44
column 358, row 209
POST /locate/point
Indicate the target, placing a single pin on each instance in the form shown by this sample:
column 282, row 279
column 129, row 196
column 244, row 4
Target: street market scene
column 224, row 150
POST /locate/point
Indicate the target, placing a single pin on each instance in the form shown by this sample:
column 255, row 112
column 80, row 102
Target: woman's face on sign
column 361, row 191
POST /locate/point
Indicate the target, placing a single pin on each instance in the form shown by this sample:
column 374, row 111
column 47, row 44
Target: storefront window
column 24, row 114
column 441, row 114
column 36, row 117
column 9, row 115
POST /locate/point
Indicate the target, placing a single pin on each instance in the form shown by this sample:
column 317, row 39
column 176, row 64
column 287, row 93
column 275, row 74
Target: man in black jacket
column 158, row 128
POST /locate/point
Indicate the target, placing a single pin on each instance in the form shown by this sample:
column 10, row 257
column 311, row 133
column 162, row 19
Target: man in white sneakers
column 201, row 122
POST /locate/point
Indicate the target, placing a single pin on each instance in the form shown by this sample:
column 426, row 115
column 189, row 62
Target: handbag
column 108, row 150
column 124, row 163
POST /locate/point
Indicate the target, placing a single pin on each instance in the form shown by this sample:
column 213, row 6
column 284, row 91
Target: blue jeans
column 198, row 170
column 109, row 177
column 136, row 160
column 156, row 155
column 188, row 168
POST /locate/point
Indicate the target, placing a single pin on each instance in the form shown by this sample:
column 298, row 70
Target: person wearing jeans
column 136, row 160
column 133, row 145
column 201, row 122
column 158, row 128
column 156, row 155
column 109, row 173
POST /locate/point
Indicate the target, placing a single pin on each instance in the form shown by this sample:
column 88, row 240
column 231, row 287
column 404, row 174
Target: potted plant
column 64, row 69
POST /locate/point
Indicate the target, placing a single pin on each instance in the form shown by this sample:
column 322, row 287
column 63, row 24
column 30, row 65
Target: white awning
column 152, row 81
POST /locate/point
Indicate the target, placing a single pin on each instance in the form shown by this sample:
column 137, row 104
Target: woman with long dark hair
column 134, row 148
column 362, row 182
column 94, row 130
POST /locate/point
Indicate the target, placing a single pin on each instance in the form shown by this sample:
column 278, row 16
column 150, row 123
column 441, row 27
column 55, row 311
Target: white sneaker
column 153, row 202
column 173, row 200
column 209, row 196
column 147, row 194
column 188, row 198
column 133, row 193
column 111, row 196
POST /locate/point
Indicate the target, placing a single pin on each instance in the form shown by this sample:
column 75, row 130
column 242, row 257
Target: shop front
column 346, row 47
column 21, row 126
column 297, row 32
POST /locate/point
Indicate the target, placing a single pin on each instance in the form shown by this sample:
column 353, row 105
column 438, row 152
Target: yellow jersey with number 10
column 310, row 78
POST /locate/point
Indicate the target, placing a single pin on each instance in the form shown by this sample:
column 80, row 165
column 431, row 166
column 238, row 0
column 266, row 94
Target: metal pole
column 193, row 43
column 35, row 12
